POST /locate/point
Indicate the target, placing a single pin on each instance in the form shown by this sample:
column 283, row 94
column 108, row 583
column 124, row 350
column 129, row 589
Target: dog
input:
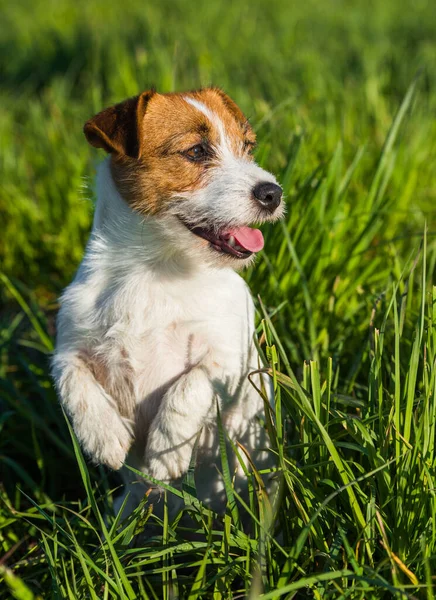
column 156, row 331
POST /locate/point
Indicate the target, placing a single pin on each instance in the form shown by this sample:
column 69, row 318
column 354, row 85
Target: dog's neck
column 129, row 239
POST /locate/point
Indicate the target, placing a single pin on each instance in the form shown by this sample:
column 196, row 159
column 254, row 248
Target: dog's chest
column 173, row 326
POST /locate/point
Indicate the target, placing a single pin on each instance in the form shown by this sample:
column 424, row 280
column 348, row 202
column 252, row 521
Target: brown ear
column 117, row 128
column 231, row 106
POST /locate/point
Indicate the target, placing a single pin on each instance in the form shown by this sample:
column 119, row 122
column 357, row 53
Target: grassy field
column 343, row 98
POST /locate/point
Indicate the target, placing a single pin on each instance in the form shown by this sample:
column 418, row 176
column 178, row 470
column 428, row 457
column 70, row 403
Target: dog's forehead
column 208, row 111
column 221, row 106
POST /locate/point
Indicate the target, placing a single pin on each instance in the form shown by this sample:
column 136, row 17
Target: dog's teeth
column 231, row 241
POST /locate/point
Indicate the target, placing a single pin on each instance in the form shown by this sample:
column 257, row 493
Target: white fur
column 172, row 330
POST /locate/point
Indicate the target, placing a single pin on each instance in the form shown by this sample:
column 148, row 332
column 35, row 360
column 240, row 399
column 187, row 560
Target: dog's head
column 186, row 159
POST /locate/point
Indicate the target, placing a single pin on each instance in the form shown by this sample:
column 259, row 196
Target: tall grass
column 344, row 292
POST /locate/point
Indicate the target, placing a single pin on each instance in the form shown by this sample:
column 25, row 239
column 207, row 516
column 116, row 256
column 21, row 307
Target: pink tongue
column 248, row 238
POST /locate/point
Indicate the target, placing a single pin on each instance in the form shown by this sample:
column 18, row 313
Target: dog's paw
column 114, row 452
column 108, row 446
column 169, row 464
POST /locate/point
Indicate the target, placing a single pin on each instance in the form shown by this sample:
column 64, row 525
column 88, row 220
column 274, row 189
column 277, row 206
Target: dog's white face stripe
column 224, row 148
column 205, row 110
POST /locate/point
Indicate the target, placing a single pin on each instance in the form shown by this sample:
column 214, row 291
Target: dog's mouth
column 239, row 242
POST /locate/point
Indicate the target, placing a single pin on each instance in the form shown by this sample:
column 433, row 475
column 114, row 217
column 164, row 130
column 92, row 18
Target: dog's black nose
column 268, row 195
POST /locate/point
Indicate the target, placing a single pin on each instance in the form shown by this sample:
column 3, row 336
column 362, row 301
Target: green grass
column 343, row 98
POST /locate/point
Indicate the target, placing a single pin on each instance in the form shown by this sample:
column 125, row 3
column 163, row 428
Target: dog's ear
column 231, row 106
column 117, row 129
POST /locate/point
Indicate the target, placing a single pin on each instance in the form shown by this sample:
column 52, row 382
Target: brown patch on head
column 149, row 136
column 236, row 125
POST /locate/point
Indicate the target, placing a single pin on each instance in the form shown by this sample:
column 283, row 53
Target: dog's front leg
column 183, row 412
column 102, row 432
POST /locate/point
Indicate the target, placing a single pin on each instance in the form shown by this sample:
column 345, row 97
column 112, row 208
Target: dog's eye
column 196, row 153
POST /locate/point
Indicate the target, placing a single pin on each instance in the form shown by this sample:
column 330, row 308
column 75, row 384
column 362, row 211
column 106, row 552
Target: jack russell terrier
column 157, row 328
